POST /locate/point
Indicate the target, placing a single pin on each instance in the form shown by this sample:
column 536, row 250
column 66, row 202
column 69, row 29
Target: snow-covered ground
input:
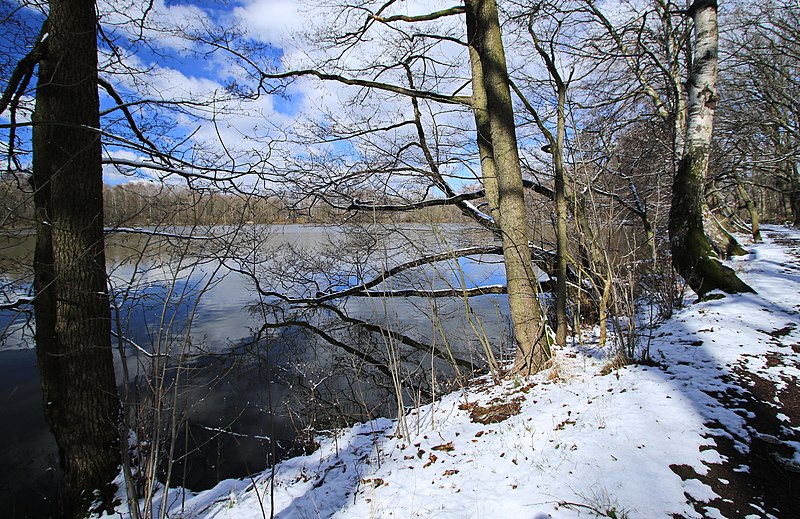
column 710, row 431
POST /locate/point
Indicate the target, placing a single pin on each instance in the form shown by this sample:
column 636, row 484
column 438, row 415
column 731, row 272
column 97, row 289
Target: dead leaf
column 375, row 482
column 494, row 413
column 431, row 460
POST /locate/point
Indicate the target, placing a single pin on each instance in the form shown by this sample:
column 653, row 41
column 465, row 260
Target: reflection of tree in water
column 324, row 350
column 349, row 369
column 370, row 294
column 346, row 323
column 267, row 398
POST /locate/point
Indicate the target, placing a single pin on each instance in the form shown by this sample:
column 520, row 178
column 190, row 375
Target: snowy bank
column 710, row 431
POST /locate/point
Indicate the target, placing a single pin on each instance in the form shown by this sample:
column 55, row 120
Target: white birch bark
column 692, row 254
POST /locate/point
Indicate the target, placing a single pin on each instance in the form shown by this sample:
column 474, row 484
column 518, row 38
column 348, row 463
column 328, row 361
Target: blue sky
column 183, row 69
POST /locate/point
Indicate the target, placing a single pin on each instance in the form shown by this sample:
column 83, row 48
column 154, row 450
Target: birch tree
column 692, row 254
column 655, row 56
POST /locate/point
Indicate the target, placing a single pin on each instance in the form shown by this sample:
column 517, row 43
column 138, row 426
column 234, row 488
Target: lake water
column 255, row 375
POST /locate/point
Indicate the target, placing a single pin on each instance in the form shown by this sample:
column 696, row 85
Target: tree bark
column 73, row 335
column 692, row 254
column 556, row 145
column 500, row 160
column 721, row 240
column 752, row 210
column 794, row 193
column 483, row 125
column 561, row 208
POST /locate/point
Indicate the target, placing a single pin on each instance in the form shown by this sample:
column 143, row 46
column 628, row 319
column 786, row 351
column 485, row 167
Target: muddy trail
column 760, row 472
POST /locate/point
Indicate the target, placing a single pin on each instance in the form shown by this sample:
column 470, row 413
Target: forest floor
column 711, row 428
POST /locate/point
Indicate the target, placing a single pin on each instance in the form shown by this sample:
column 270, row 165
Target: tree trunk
column 752, row 210
column 483, row 126
column 692, row 255
column 794, row 193
column 561, row 219
column 73, row 335
column 556, row 145
column 721, row 240
column 500, row 158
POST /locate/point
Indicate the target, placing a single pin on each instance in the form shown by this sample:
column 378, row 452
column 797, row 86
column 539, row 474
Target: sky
column 171, row 67
column 261, row 134
column 179, row 68
column 276, row 31
column 279, row 34
column 276, row 35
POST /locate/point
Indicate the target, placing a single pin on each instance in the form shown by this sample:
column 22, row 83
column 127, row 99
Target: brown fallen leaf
column 431, row 460
column 446, row 447
column 375, row 482
column 495, row 412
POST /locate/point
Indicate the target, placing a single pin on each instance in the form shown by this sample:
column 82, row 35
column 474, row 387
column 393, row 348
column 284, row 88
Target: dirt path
column 760, row 474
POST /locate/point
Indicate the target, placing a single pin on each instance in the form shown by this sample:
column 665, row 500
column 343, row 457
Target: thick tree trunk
column 73, row 336
column 533, row 349
column 483, row 125
column 692, row 255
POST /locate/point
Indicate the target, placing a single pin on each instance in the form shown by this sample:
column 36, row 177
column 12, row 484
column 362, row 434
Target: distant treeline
column 147, row 203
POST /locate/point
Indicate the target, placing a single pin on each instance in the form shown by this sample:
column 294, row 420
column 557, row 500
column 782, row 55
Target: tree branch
column 459, row 9
column 109, row 88
column 366, row 83
column 332, row 340
column 402, row 338
column 24, row 68
column 17, row 303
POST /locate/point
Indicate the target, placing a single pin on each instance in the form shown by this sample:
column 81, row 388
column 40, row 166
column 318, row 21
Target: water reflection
column 253, row 376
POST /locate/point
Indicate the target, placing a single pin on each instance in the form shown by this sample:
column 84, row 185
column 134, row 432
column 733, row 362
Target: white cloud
column 272, row 21
column 160, row 21
column 284, row 24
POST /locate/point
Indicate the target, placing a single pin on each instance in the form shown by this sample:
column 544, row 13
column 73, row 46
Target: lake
column 254, row 376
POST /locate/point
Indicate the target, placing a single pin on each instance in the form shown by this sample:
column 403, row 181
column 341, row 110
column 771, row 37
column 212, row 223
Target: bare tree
column 758, row 138
column 556, row 147
column 655, row 55
column 412, row 72
column 71, row 300
column 500, row 158
column 692, row 254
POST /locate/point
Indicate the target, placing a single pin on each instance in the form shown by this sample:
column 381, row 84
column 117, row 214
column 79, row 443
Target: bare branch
column 459, row 9
column 109, row 88
column 422, row 94
column 402, row 338
column 17, row 303
column 24, row 68
column 332, row 340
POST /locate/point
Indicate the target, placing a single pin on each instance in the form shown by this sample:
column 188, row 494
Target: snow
column 583, row 444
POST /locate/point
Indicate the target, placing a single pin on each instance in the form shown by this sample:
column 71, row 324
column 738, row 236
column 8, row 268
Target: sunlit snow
column 640, row 441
